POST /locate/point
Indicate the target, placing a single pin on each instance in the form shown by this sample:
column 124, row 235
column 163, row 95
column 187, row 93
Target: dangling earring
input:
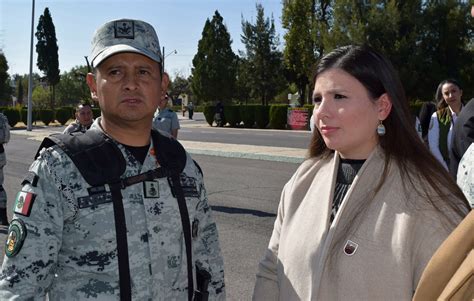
column 380, row 128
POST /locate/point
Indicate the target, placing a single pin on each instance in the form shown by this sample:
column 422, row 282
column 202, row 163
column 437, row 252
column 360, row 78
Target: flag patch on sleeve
column 24, row 202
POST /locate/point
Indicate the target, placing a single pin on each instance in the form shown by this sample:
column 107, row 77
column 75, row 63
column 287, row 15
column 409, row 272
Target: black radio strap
column 122, row 244
column 183, row 211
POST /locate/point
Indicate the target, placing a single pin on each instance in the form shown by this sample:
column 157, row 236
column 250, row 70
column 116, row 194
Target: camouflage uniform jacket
column 75, row 126
column 70, row 250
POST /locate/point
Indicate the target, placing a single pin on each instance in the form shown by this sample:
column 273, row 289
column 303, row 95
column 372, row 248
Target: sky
column 179, row 25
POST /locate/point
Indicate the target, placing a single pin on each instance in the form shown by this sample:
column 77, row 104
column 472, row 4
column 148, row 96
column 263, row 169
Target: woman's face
column 451, row 94
column 345, row 115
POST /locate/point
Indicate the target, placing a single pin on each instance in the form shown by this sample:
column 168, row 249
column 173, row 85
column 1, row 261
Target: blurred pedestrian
column 427, row 109
column 449, row 105
column 4, row 138
column 166, row 119
column 462, row 137
column 362, row 216
column 190, row 110
column 219, row 114
column 84, row 119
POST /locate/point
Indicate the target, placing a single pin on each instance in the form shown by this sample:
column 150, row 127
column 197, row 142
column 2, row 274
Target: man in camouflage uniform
column 62, row 240
column 4, row 138
column 83, row 120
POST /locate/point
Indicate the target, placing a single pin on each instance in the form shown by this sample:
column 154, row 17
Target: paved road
column 243, row 193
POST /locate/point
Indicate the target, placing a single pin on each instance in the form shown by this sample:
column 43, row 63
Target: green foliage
column 179, row 86
column 214, row 65
column 5, row 89
column 47, row 49
column 262, row 114
column 209, row 111
column 46, row 116
column 24, row 115
column 415, row 107
column 305, row 22
column 63, row 114
column 96, row 112
column 247, row 114
column 41, row 97
column 232, row 115
column 263, row 62
column 278, row 116
column 73, row 89
column 12, row 114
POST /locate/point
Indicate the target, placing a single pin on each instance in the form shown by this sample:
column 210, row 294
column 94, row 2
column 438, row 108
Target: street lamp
column 165, row 56
column 30, row 77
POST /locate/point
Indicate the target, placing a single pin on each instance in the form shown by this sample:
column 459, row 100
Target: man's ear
column 384, row 106
column 90, row 78
column 165, row 81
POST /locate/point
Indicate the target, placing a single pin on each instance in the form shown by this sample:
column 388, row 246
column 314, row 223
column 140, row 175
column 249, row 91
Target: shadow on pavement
column 234, row 210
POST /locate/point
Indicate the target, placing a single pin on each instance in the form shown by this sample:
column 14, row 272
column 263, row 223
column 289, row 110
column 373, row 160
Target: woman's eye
column 339, row 96
column 317, row 99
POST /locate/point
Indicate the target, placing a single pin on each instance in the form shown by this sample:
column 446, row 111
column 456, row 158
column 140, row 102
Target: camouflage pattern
column 75, row 126
column 465, row 176
column 125, row 35
column 165, row 120
column 70, row 248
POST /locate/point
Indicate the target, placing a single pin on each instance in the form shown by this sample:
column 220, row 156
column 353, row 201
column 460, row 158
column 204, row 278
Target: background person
column 363, row 211
column 426, row 111
column 84, row 119
column 448, row 97
column 4, row 138
column 166, row 119
column 190, row 109
column 119, row 234
column 219, row 114
column 462, row 136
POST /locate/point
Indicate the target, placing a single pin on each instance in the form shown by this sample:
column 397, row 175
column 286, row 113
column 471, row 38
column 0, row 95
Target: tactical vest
column 101, row 163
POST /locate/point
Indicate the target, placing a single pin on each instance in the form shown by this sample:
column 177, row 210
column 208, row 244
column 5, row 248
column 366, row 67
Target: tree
column 264, row 61
column 180, row 85
column 47, row 49
column 306, row 22
column 243, row 79
column 446, row 46
column 20, row 91
column 5, row 89
column 214, row 65
column 73, row 89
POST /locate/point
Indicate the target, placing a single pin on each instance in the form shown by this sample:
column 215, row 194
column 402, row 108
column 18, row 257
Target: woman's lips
column 328, row 129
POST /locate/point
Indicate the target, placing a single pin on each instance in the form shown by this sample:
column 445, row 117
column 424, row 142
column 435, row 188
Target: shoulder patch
column 30, row 178
column 16, row 237
column 24, row 202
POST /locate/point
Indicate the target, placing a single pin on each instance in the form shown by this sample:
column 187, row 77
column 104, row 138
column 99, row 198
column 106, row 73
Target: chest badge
column 350, row 248
column 151, row 189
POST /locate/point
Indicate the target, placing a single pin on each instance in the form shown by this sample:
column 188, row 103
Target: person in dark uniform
column 463, row 136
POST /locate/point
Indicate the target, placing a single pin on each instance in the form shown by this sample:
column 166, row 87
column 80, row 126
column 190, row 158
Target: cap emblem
column 124, row 30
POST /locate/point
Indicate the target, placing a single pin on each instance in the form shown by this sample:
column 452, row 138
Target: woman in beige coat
column 362, row 216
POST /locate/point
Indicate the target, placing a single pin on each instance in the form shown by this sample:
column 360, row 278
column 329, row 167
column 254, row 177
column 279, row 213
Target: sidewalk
column 268, row 153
